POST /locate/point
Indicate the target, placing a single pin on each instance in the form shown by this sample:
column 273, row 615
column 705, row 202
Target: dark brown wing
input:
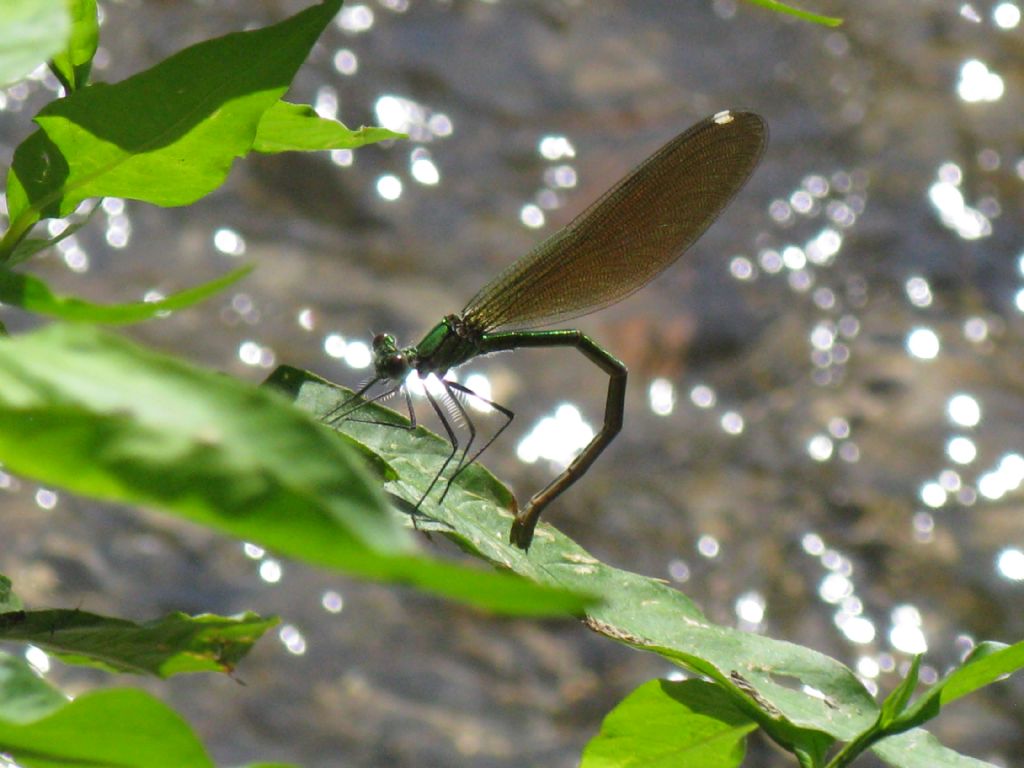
column 632, row 233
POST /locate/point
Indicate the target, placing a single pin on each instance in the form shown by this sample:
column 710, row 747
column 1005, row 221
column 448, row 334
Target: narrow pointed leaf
column 789, row 10
column 987, row 664
column 32, row 294
column 174, row 644
column 289, row 127
column 896, row 701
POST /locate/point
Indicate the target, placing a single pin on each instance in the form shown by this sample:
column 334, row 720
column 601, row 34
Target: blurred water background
column 823, row 434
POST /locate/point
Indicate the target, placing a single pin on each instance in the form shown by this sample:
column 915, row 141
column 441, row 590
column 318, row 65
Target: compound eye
column 383, row 340
column 394, row 366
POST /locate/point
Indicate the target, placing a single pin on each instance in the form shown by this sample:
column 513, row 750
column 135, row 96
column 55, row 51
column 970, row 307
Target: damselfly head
column 389, row 361
column 383, row 343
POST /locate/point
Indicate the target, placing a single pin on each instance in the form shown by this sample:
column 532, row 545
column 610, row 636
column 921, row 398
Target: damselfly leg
column 507, row 413
column 450, row 414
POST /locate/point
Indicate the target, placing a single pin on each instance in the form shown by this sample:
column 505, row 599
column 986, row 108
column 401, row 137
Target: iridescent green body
column 614, row 248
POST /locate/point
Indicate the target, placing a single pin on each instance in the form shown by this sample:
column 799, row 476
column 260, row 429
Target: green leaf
column 96, row 414
column 987, row 664
column 666, row 724
column 93, row 413
column 32, row 294
column 477, row 514
column 23, row 695
column 642, row 612
column 31, row 31
column 175, row 644
column 807, row 759
column 802, row 699
column 119, row 727
column 192, row 115
column 896, row 701
column 72, row 65
column 286, row 127
column 919, row 749
column 774, row 5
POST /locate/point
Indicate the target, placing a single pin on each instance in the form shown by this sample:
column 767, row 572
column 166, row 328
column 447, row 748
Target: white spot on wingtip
column 724, row 117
